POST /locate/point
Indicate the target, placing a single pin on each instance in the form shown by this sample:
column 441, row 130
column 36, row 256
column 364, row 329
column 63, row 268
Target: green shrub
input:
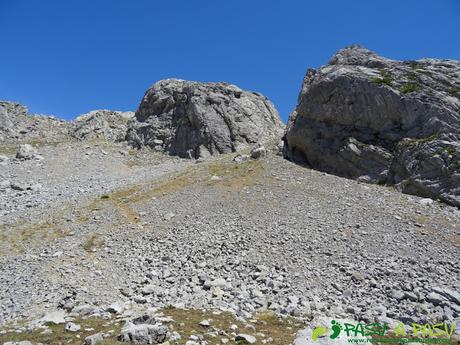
column 409, row 87
column 386, row 78
column 412, row 76
column 454, row 90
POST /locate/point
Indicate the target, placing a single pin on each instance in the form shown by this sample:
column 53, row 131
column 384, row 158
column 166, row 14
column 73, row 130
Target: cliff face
column 366, row 117
column 192, row 119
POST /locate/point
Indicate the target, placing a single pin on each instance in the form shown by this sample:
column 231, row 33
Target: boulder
column 258, row 152
column 94, row 339
column 143, row 334
column 25, row 152
column 192, row 119
column 367, row 117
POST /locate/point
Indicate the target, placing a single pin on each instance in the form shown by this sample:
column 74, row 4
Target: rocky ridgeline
column 182, row 118
column 16, row 125
column 366, row 117
column 194, row 120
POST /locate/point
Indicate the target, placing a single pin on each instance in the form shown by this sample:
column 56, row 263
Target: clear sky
column 67, row 57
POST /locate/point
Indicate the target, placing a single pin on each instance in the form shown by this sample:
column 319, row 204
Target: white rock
column 246, row 338
column 56, row 317
column 26, row 151
column 426, row 202
column 72, row 327
column 94, row 339
column 116, row 308
column 205, row 323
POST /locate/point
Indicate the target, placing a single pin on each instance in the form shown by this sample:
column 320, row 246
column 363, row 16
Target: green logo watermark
column 376, row 332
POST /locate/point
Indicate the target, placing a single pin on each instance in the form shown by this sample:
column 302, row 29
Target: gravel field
column 140, row 228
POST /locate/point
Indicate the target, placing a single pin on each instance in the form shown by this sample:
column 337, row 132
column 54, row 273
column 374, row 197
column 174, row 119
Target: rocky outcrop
column 366, row 117
column 17, row 125
column 102, row 124
column 192, row 119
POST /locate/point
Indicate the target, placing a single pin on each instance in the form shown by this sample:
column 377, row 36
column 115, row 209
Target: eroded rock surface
column 17, row 125
column 366, row 117
column 192, row 119
column 105, row 124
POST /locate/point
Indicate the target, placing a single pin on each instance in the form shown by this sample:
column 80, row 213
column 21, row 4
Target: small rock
column 116, row 308
column 425, row 202
column 205, row 323
column 258, row 152
column 241, row 158
column 56, row 317
column 72, row 327
column 169, row 216
column 434, row 298
column 94, row 339
column 246, row 338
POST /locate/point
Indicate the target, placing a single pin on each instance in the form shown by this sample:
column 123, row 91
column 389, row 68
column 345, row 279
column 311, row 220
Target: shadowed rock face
column 366, row 117
column 192, row 119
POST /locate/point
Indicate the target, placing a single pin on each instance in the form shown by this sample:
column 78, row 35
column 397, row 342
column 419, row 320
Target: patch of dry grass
column 16, row 237
column 263, row 326
column 93, row 243
column 60, row 336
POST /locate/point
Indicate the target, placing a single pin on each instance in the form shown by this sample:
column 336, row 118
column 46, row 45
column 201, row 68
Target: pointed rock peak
column 358, row 56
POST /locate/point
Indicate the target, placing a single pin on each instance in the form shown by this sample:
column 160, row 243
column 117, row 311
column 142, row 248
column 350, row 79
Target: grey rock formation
column 366, row 117
column 102, row 124
column 17, row 125
column 192, row 119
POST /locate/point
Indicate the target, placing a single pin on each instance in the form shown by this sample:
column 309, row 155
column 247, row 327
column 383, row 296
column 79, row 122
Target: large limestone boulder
column 193, row 119
column 366, row 117
column 102, row 124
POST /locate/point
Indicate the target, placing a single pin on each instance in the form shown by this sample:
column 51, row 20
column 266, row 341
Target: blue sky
column 68, row 57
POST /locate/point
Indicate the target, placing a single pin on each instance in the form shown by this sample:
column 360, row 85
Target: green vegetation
column 409, row 87
column 412, row 76
column 186, row 322
column 417, row 141
column 281, row 329
column 386, row 78
column 105, row 196
column 454, row 90
column 448, row 149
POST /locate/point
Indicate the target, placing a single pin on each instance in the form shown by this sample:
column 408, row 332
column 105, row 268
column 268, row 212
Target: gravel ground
column 110, row 225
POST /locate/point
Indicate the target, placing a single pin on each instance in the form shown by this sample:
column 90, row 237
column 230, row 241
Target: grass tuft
column 93, row 243
column 409, row 87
